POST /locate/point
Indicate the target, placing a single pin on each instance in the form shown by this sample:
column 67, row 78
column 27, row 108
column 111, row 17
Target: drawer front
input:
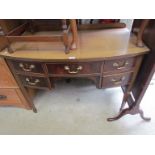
column 36, row 82
column 116, row 79
column 30, row 67
column 9, row 97
column 74, row 68
column 118, row 65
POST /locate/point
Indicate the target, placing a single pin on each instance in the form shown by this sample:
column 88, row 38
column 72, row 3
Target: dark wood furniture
column 31, row 31
column 110, row 58
column 100, row 25
column 147, row 69
column 10, row 93
column 146, row 34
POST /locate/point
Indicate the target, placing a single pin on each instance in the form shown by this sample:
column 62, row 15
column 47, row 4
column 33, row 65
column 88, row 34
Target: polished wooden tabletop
column 94, row 44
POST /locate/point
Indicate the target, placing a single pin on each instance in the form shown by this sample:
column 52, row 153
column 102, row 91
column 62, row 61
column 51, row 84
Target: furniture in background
column 10, row 93
column 146, row 34
column 142, row 28
column 147, row 69
column 100, row 24
column 31, row 31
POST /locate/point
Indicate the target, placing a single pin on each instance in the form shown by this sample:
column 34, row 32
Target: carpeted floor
column 78, row 108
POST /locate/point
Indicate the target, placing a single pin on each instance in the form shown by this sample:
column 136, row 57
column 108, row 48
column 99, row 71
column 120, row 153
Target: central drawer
column 82, row 68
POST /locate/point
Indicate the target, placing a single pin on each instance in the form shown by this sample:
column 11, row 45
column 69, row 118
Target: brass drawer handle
column 32, row 83
column 3, row 97
column 26, row 67
column 67, row 68
column 120, row 67
column 116, row 81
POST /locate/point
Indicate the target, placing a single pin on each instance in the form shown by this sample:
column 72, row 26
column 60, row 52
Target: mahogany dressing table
column 110, row 58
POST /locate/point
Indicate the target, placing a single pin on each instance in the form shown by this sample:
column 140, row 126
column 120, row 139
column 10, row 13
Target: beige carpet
column 78, row 108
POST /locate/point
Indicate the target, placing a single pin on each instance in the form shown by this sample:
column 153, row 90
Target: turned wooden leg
column 74, row 34
column 141, row 31
column 65, row 36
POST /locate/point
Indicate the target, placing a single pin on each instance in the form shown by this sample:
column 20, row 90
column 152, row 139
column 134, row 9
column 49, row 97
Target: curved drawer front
column 36, row 82
column 116, row 79
column 119, row 65
column 74, row 68
column 28, row 67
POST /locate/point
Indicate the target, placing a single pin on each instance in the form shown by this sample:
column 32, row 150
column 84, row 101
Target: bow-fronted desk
column 110, row 58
